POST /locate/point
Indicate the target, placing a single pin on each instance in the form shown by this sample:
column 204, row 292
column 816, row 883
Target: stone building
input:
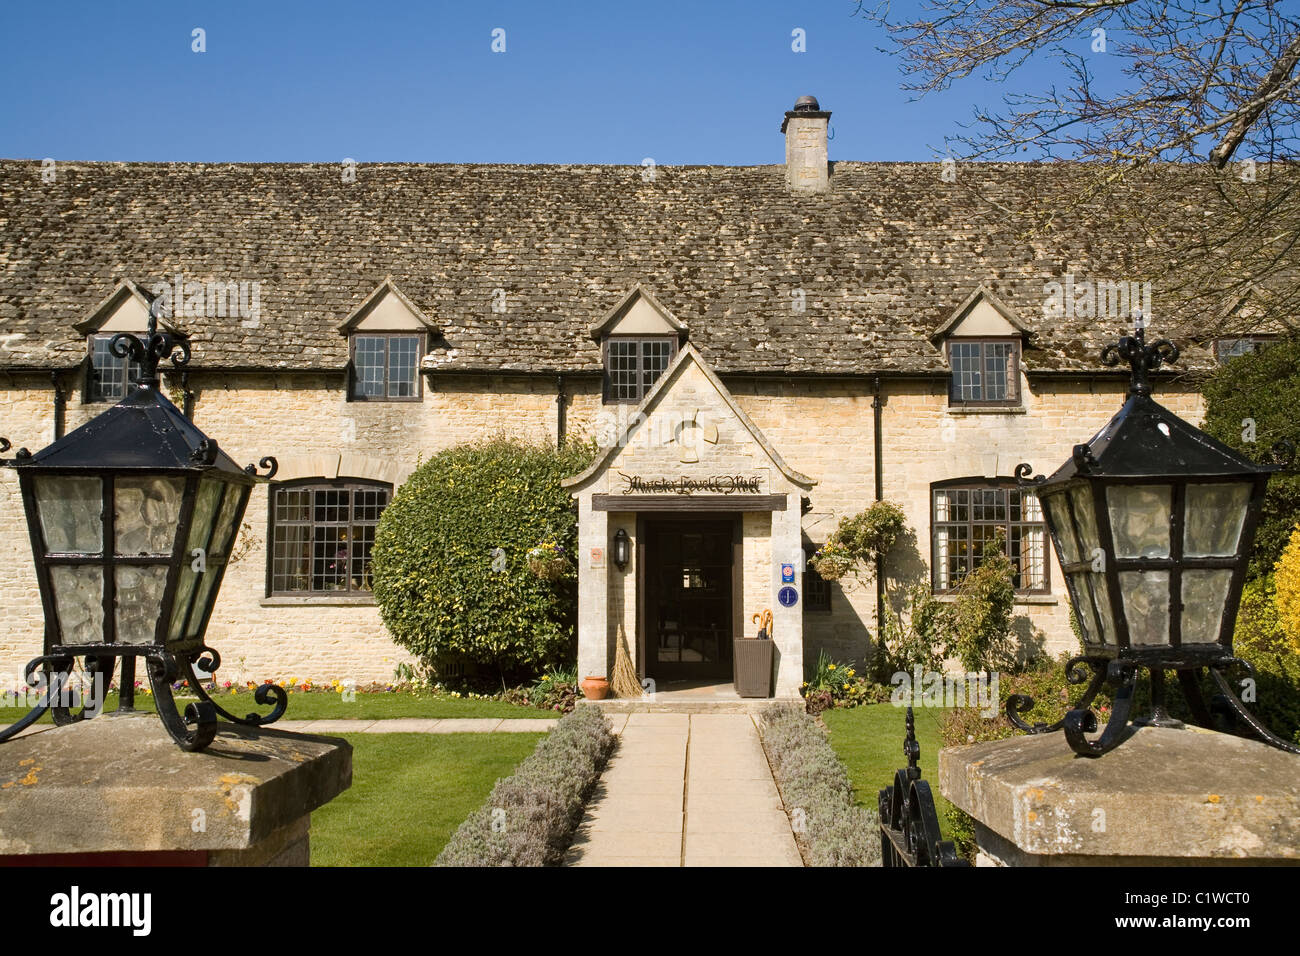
column 763, row 349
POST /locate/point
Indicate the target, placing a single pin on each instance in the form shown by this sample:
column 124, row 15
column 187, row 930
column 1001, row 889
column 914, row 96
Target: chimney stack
column 806, row 166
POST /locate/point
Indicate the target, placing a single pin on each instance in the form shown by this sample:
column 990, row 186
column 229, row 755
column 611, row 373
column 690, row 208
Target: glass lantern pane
column 221, row 537
column 146, row 512
column 1085, row 518
column 205, row 510
column 1101, row 602
column 1085, row 611
column 71, row 512
column 1205, row 592
column 1146, row 605
column 139, row 601
column 1140, row 519
column 1213, row 516
column 225, row 529
column 79, row 602
column 1058, row 508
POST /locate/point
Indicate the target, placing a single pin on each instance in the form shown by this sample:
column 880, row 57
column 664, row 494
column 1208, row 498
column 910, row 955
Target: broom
column 625, row 683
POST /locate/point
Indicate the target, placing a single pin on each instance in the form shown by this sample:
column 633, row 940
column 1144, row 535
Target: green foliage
column 436, row 546
column 831, row 829
column 1264, row 387
column 873, row 531
column 556, row 690
column 980, row 618
column 837, row 684
column 859, row 540
column 915, row 641
column 530, row 817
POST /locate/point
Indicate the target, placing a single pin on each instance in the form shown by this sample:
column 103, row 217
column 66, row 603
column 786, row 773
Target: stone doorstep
column 691, row 707
column 1165, row 794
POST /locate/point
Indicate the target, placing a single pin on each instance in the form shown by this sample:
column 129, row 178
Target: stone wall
column 823, row 429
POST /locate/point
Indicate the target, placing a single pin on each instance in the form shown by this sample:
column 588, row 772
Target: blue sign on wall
column 787, row 572
column 788, row 597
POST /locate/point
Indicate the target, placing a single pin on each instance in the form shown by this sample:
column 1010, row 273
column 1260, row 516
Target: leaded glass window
column 968, row 515
column 322, row 535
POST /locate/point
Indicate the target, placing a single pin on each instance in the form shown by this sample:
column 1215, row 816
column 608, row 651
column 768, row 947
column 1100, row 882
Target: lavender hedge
column 530, row 817
column 830, row 828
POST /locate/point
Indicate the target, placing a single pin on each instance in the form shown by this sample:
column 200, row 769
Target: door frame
column 643, row 521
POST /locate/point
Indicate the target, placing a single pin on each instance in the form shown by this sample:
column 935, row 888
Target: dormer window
column 387, row 338
column 983, row 339
column 639, row 338
column 1225, row 350
column 984, row 372
column 385, row 367
column 110, row 376
column 633, row 365
column 124, row 310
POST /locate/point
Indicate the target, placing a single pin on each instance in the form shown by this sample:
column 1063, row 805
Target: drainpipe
column 559, row 411
column 877, row 410
column 60, row 405
column 187, row 394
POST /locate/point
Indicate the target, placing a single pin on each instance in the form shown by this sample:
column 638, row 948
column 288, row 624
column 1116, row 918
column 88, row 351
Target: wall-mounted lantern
column 1153, row 522
column 132, row 518
column 622, row 549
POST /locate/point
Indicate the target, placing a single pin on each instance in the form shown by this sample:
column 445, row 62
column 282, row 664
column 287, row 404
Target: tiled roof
column 883, row 259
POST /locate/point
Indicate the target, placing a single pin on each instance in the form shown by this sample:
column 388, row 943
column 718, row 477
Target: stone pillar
column 593, row 592
column 117, row 791
column 1163, row 797
column 787, row 622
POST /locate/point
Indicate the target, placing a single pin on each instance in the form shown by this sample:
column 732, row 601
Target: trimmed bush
column 530, row 817
column 450, row 560
column 831, row 830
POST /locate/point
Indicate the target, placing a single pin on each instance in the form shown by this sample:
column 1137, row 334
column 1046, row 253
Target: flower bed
column 530, row 817
column 830, row 828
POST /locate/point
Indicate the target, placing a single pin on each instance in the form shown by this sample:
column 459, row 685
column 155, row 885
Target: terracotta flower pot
column 595, row 688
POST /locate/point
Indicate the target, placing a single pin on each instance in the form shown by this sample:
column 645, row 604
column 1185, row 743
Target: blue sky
column 375, row 80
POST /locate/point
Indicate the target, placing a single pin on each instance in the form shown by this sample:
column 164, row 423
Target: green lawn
column 319, row 706
column 870, row 742
column 409, row 794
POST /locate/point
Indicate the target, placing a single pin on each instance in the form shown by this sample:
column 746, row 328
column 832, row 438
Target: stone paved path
column 686, row 790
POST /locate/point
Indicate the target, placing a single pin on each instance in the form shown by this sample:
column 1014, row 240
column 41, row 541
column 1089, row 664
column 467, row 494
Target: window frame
column 1260, row 342
column 313, row 484
column 88, row 396
column 1013, row 399
column 819, row 606
column 642, row 389
column 417, row 396
column 984, row 484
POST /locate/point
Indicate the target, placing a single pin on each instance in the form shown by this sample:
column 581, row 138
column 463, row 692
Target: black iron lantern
column 132, row 517
column 1153, row 522
column 622, row 549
